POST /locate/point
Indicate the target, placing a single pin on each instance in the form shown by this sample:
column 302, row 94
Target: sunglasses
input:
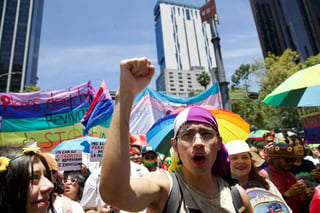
column 73, row 181
column 289, row 160
column 168, row 161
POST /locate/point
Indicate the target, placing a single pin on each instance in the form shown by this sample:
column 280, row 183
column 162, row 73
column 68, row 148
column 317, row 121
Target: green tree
column 241, row 74
column 278, row 69
column 313, row 60
column 31, row 88
column 204, row 79
column 270, row 73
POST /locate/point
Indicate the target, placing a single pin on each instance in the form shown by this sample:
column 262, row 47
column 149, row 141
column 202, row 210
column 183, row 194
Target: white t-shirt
column 91, row 198
column 315, row 161
column 75, row 206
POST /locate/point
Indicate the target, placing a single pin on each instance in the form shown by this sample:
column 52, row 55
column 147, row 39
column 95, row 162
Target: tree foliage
column 204, row 79
column 31, row 88
column 269, row 73
column 241, row 74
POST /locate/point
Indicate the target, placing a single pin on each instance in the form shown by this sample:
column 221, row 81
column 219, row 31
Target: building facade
column 20, row 29
column 184, row 48
column 283, row 24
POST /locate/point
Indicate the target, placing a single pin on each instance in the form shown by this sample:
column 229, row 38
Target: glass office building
column 283, row 24
column 20, row 29
column 184, row 48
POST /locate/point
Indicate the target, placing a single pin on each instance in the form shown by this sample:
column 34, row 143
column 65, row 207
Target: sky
column 85, row 40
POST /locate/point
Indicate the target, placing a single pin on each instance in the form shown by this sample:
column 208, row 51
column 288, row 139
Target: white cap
column 237, row 147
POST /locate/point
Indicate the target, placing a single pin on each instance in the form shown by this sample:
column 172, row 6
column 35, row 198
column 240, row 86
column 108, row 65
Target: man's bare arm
column 115, row 186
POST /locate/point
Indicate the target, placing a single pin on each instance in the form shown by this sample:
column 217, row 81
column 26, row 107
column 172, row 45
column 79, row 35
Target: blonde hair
column 175, row 160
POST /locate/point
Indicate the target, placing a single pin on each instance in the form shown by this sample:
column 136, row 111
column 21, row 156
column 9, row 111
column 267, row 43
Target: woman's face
column 71, row 188
column 240, row 165
column 40, row 188
column 299, row 147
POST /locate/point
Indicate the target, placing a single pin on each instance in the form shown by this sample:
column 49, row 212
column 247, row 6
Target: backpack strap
column 236, row 199
column 269, row 173
column 175, row 197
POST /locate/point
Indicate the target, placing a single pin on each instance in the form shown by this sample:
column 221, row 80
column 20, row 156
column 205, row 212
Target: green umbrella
column 302, row 89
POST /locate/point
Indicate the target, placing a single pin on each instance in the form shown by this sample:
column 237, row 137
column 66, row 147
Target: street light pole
column 9, row 79
column 219, row 73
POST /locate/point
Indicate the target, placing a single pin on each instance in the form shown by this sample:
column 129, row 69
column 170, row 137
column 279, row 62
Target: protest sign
column 96, row 151
column 69, row 160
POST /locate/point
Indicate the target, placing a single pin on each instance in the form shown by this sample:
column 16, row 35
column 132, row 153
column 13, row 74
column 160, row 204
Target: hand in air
column 135, row 75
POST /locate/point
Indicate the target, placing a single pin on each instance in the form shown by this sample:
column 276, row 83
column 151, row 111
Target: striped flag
column 150, row 106
column 100, row 110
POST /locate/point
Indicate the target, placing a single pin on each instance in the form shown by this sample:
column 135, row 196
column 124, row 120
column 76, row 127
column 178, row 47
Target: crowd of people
column 202, row 174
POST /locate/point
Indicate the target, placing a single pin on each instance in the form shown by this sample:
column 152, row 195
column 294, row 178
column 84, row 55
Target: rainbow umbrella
column 302, row 89
column 231, row 127
column 257, row 134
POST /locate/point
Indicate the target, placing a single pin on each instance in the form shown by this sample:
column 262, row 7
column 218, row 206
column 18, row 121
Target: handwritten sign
column 96, row 151
column 69, row 160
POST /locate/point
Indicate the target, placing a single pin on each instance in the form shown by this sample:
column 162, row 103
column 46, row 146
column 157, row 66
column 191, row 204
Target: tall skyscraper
column 184, row 48
column 20, row 28
column 283, row 24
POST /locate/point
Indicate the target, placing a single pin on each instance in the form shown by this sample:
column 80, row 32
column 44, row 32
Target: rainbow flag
column 47, row 117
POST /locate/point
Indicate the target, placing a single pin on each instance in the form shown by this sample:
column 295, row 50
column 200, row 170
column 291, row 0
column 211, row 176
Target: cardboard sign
column 96, row 151
column 69, row 160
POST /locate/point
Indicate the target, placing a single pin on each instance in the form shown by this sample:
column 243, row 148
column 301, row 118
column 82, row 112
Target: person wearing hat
column 282, row 156
column 244, row 164
column 203, row 159
column 61, row 203
column 150, row 158
column 268, row 139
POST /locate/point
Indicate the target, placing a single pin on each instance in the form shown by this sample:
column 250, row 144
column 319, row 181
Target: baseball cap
column 195, row 114
column 238, row 146
column 147, row 149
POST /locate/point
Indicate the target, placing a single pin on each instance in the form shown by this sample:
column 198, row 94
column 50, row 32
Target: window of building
column 188, row 14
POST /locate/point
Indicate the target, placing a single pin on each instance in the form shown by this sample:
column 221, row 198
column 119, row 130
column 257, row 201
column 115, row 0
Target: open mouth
column 198, row 158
